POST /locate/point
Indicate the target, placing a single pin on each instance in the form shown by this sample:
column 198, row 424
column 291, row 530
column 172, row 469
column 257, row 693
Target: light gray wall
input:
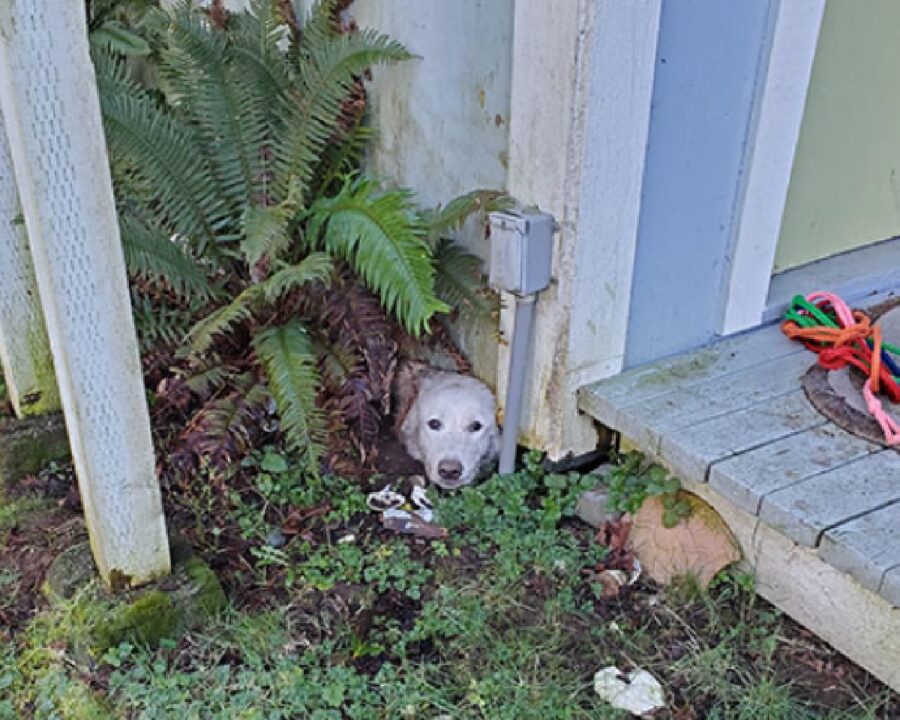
column 443, row 118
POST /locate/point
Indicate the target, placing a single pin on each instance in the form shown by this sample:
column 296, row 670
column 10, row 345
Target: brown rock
column 700, row 545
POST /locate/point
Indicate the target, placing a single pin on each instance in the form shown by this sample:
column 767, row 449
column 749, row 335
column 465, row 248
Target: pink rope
column 841, row 309
column 889, row 426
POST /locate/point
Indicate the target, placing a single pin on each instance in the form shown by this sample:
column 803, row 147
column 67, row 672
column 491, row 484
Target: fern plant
column 238, row 186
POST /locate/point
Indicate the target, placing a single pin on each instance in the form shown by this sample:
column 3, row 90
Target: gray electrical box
column 521, row 251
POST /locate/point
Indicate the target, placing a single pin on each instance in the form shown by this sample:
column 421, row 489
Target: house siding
column 844, row 190
column 707, row 76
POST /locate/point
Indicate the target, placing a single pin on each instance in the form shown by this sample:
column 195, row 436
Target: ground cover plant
column 339, row 618
column 249, row 226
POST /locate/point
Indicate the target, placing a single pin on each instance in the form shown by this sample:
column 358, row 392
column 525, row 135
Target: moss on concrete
column 150, row 617
column 29, row 444
column 164, row 609
column 45, row 398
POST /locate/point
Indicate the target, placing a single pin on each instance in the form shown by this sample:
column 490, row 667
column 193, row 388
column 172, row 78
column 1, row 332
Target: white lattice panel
column 49, row 98
column 24, row 348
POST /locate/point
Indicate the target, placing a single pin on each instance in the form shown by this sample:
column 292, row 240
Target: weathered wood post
column 24, row 348
column 48, row 95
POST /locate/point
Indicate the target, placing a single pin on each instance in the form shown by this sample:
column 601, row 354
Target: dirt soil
column 32, row 544
column 29, row 546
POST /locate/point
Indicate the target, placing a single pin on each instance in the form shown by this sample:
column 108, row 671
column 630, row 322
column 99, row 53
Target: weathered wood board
column 647, row 421
column 747, row 478
column 867, row 547
column 691, row 451
column 603, row 400
column 805, row 510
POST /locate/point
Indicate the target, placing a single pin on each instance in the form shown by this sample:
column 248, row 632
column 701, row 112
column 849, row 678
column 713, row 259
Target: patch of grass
column 497, row 621
column 12, row 512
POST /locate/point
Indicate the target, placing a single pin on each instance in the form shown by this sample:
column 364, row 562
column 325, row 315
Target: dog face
column 452, row 428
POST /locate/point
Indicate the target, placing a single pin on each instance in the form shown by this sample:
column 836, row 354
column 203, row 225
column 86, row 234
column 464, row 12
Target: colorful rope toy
column 840, row 336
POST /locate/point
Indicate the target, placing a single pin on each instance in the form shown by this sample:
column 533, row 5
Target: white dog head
column 451, row 427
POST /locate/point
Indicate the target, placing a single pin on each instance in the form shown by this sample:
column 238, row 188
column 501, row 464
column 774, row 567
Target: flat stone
column 591, row 508
column 70, row 571
column 700, row 546
column 890, row 325
column 29, row 444
column 847, row 383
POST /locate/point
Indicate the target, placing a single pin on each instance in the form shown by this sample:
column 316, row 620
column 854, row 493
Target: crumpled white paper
column 638, row 692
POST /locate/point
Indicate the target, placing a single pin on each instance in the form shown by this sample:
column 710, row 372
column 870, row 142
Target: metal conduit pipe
column 518, row 364
column 521, row 254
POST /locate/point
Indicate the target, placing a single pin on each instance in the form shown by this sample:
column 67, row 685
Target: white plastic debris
column 637, row 692
column 635, row 572
column 384, row 499
column 424, row 508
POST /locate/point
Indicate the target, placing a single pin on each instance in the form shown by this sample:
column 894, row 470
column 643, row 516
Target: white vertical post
column 581, row 87
column 770, row 160
column 24, row 348
column 49, row 98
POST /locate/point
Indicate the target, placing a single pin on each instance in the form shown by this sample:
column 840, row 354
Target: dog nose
column 450, row 469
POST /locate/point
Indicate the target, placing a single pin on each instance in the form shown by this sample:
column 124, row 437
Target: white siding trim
column 771, row 159
column 581, row 88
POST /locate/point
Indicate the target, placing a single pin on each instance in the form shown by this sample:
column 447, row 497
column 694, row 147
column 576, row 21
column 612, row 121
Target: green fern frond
column 310, row 110
column 443, row 220
column 205, row 382
column 221, row 104
column 254, row 38
column 266, row 228
column 158, row 322
column 219, row 322
column 112, row 72
column 150, row 253
column 320, row 22
column 458, row 280
column 265, row 232
column 113, row 36
column 379, row 234
column 343, row 158
column 286, row 354
column 163, row 155
column 316, row 266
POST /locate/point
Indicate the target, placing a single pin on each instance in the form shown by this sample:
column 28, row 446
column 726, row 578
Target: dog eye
column 434, row 424
column 475, row 427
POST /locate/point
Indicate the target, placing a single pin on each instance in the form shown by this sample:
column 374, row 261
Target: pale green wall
column 844, row 189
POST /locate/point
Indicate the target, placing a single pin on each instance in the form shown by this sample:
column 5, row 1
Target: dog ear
column 493, row 451
column 405, row 390
column 409, row 431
